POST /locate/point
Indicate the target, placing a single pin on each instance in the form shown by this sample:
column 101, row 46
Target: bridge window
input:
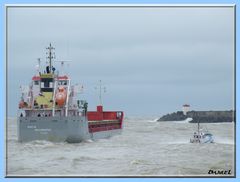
column 62, row 82
column 47, row 84
column 36, row 82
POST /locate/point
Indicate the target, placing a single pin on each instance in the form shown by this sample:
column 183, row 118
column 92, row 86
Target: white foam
column 153, row 121
column 184, row 121
column 223, row 141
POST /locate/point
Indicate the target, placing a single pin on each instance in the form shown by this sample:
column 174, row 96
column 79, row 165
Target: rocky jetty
column 201, row 116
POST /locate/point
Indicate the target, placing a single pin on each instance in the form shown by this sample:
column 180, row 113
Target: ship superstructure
column 49, row 109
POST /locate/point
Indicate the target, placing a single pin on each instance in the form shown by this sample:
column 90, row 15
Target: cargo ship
column 50, row 110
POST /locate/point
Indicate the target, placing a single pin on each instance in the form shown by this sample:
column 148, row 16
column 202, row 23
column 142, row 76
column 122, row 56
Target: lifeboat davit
column 61, row 96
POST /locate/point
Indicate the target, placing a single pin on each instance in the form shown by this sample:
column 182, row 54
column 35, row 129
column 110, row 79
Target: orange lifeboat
column 61, row 96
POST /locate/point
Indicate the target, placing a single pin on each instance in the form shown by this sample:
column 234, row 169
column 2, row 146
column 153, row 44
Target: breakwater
column 201, row 116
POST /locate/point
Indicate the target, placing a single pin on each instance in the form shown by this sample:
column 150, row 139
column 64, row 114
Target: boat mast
column 100, row 94
column 101, row 88
column 198, row 126
column 50, row 56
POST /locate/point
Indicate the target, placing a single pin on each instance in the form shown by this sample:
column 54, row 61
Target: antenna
column 39, row 61
column 101, row 89
column 50, row 56
column 38, row 66
column 78, row 89
column 62, row 64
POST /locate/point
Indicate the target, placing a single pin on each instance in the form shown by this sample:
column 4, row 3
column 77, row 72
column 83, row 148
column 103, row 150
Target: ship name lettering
column 31, row 126
column 43, row 129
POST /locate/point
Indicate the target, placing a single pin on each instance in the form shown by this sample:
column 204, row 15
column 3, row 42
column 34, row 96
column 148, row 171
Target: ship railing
column 54, row 92
column 66, row 106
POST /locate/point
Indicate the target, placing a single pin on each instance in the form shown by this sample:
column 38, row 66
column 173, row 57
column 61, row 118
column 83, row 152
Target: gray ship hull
column 72, row 129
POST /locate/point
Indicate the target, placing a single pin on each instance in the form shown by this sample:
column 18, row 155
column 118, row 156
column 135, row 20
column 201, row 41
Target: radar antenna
column 62, row 64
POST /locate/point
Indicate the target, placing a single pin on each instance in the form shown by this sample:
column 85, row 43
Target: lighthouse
column 185, row 108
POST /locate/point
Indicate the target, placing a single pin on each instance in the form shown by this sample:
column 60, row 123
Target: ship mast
column 198, row 127
column 50, row 56
column 101, row 88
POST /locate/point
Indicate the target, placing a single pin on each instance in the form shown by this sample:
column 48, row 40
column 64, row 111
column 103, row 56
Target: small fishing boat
column 201, row 136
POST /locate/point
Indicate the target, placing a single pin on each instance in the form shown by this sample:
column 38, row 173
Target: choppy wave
column 153, row 120
column 145, row 147
column 224, row 141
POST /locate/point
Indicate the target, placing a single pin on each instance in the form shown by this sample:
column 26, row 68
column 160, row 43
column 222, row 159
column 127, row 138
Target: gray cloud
column 152, row 60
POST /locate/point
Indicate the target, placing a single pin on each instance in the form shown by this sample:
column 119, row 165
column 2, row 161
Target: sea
column 144, row 148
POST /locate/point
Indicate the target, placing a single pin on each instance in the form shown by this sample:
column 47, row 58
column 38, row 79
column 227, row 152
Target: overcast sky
column 151, row 60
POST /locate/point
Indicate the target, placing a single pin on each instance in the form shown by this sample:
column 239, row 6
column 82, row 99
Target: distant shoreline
column 200, row 116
